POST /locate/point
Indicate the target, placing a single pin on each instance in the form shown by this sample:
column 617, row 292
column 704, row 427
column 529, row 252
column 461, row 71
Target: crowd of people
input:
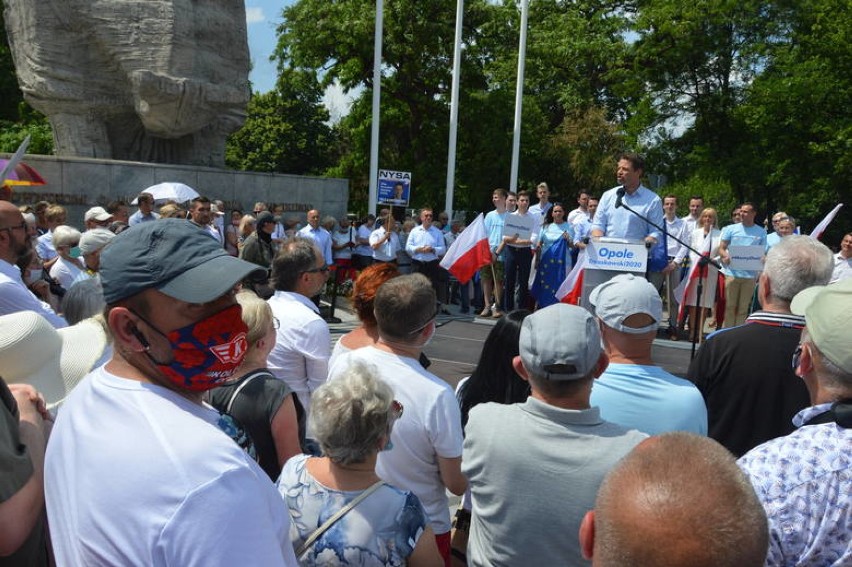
column 170, row 394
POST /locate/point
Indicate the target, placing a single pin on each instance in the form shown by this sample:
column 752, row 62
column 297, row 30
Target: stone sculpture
column 145, row 80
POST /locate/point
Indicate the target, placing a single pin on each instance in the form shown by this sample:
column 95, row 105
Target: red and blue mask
column 207, row 352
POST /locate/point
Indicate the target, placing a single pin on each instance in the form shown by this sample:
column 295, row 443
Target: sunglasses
column 322, row 269
column 797, row 355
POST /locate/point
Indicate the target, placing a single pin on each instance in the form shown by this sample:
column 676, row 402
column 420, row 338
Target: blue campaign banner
column 394, row 188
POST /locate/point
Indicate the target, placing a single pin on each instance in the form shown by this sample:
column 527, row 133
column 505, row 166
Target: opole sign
column 616, row 256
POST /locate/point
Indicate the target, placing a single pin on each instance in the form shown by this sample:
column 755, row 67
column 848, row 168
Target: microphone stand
column 711, row 261
column 703, row 261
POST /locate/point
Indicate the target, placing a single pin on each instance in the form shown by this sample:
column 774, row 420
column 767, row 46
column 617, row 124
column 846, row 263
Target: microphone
column 619, row 195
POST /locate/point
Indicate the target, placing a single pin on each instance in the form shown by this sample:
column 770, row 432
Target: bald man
column 678, row 499
column 319, row 235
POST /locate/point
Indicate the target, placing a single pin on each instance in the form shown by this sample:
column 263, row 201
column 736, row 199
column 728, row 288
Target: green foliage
column 13, row 133
column 17, row 118
column 286, row 129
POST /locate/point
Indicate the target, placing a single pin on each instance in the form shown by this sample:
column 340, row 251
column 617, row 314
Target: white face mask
column 431, row 336
column 35, row 275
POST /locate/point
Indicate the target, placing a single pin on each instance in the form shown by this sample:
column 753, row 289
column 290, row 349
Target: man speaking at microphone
column 614, row 220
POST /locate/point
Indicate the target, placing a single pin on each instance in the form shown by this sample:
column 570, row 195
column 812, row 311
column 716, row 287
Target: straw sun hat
column 52, row 361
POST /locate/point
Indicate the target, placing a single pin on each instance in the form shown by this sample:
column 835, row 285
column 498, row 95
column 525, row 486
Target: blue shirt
column 649, row 399
column 494, row 223
column 621, row 223
column 322, row 238
column 739, row 235
column 138, row 217
column 804, row 481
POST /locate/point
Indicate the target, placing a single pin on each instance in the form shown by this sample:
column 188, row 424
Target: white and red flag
column 820, row 228
column 572, row 288
column 469, row 252
column 690, row 282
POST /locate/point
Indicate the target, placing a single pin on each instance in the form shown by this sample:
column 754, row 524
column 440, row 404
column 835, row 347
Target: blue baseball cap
column 173, row 256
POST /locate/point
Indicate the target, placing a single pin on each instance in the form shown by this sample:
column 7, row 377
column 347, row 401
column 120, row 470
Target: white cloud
column 338, row 102
column 255, row 16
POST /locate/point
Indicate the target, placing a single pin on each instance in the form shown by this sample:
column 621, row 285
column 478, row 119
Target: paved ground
column 456, row 347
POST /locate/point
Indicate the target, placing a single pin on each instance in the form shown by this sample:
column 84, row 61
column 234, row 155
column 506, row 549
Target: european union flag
column 550, row 274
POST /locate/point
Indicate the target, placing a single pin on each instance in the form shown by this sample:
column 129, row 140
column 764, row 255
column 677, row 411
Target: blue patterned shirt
column 804, row 481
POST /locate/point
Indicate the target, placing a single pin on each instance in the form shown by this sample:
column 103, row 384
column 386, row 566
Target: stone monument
column 141, row 80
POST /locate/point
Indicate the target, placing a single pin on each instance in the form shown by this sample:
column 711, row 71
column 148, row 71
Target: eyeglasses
column 22, row 226
column 397, row 410
column 276, row 324
column 324, row 268
column 797, row 355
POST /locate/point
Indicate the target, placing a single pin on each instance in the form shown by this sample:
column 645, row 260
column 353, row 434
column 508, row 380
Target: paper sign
column 520, row 226
column 394, row 187
column 619, row 257
column 747, row 258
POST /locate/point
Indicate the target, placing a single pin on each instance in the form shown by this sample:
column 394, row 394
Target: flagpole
column 454, row 113
column 377, row 91
column 519, row 96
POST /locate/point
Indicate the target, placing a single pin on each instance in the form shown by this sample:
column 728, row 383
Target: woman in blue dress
column 552, row 267
column 351, row 417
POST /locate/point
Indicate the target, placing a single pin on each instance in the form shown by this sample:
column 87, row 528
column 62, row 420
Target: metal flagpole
column 454, row 112
column 377, row 91
column 519, row 96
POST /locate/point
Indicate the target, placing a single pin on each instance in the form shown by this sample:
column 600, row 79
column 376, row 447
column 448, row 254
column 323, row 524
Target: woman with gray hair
column 67, row 268
column 341, row 512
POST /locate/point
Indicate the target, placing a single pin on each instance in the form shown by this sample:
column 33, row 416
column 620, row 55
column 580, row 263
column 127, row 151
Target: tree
column 17, row 118
column 286, row 129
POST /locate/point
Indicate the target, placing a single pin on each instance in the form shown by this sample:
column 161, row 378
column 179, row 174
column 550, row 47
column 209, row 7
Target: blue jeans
column 518, row 263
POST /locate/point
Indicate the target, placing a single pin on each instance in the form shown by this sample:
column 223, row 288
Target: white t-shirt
column 343, row 238
column 64, row 272
column 136, row 474
column 363, row 234
column 429, row 427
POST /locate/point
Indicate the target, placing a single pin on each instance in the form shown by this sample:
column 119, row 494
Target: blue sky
column 262, row 16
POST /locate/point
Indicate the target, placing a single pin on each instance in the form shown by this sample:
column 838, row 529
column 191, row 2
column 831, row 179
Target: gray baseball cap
column 560, row 342
column 173, row 256
column 623, row 296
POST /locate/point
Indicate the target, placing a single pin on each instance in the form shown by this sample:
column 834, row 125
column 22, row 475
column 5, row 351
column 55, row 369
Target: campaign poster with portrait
column 394, row 187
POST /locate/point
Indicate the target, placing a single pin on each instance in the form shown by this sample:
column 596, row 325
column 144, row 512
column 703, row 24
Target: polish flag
column 691, row 281
column 469, row 252
column 820, row 228
column 572, row 288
